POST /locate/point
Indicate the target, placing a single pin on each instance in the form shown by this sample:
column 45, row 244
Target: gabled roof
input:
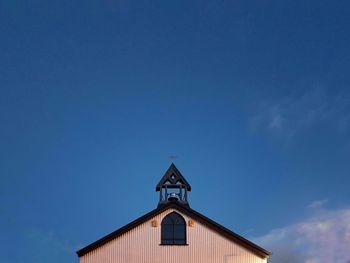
column 173, row 176
column 259, row 251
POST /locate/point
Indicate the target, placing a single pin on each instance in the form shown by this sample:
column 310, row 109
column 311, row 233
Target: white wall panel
column 141, row 245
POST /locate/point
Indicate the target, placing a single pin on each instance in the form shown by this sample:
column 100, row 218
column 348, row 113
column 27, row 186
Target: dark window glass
column 167, row 232
column 173, row 229
column 179, row 232
column 167, row 221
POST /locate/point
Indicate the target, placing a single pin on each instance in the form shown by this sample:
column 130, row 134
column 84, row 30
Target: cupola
column 173, row 187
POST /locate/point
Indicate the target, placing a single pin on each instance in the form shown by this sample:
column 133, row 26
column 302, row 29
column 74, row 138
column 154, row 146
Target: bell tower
column 173, row 187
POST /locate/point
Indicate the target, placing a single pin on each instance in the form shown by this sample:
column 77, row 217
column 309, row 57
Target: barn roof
column 187, row 211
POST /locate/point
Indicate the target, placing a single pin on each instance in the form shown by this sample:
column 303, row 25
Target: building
column 173, row 233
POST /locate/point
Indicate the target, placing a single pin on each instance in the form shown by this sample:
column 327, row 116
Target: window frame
column 171, row 222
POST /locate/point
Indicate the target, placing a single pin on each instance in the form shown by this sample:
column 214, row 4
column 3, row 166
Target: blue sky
column 252, row 96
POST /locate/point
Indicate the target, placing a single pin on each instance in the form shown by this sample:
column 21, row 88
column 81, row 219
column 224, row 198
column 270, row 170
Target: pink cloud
column 323, row 237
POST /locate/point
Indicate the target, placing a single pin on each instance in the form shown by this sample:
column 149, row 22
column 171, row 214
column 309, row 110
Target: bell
column 173, row 197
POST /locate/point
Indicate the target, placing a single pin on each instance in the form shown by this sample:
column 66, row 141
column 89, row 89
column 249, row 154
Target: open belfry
column 173, row 233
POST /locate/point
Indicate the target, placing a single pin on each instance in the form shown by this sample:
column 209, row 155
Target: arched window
column 173, row 229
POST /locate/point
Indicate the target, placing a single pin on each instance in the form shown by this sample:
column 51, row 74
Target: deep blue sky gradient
column 252, row 96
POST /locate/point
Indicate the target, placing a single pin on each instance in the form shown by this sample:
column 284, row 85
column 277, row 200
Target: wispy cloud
column 318, row 204
column 323, row 237
column 289, row 115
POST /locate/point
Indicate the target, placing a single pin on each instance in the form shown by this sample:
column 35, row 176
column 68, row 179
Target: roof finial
column 173, row 157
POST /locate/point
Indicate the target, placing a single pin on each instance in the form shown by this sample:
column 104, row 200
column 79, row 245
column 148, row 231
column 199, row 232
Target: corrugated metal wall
column 141, row 245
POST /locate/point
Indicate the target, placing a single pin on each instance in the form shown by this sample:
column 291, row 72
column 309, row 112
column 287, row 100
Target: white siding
column 141, row 245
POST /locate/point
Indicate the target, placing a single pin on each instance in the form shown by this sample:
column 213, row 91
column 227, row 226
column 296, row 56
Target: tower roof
column 173, row 178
